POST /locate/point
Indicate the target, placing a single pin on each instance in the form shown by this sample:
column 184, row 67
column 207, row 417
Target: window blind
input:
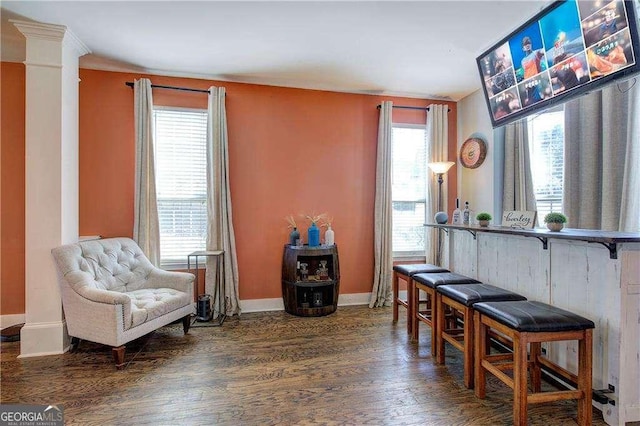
column 180, row 139
column 546, row 144
column 409, row 171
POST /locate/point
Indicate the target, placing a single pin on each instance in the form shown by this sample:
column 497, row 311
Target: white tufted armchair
column 112, row 294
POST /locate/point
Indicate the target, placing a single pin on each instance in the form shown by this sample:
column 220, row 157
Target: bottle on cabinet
column 294, row 237
column 466, row 213
column 313, row 235
column 329, row 236
column 456, row 219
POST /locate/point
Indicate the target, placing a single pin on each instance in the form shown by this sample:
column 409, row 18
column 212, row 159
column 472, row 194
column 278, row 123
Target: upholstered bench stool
column 405, row 272
column 532, row 323
column 461, row 298
column 428, row 283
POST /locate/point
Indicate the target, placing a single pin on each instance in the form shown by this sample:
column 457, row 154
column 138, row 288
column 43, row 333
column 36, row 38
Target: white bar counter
column 595, row 274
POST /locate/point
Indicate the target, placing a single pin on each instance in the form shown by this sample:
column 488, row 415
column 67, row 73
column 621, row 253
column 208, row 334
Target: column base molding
column 40, row 339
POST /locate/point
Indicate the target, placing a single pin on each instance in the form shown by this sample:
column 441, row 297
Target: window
column 408, row 177
column 546, row 144
column 180, row 138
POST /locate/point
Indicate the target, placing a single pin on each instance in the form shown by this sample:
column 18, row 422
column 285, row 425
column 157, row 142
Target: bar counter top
column 609, row 239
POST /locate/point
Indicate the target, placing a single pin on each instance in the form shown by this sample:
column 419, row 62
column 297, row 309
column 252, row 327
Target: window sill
column 182, row 266
column 409, row 258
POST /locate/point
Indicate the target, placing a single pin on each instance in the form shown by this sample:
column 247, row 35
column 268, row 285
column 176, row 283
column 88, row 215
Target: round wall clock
column 473, row 152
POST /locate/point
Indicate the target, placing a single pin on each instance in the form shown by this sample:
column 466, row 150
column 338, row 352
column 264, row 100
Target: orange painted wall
column 292, row 151
column 12, row 192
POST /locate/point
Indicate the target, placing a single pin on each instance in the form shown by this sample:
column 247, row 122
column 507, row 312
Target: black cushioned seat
column 468, row 294
column 410, row 270
column 443, row 278
column 527, row 316
column 405, row 273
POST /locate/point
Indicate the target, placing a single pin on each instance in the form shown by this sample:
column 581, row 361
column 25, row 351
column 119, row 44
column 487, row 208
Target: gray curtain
column 517, row 192
column 602, row 159
column 220, row 234
column 437, row 133
column 381, row 295
column 146, row 227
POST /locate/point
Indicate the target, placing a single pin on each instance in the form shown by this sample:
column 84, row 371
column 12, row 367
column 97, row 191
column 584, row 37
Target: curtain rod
column 158, row 86
column 411, row 107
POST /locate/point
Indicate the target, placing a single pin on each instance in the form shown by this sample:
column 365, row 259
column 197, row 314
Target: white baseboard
column 246, row 306
column 277, row 304
column 354, row 299
column 261, row 305
column 11, row 319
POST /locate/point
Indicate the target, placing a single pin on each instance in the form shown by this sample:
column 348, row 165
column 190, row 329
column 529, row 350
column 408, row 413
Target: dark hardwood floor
column 353, row 367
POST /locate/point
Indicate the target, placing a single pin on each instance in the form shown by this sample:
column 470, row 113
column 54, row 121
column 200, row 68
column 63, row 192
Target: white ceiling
column 404, row 48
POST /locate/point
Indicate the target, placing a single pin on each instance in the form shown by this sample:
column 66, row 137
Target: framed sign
column 519, row 219
column 473, row 153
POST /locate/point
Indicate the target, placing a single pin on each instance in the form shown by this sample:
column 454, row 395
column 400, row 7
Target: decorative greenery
column 555, row 218
column 484, row 216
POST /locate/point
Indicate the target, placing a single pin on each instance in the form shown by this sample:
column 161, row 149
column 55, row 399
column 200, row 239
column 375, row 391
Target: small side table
column 219, row 286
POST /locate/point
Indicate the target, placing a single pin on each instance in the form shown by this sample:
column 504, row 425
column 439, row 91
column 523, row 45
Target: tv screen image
column 570, row 73
column 568, row 48
column 562, row 33
column 528, row 52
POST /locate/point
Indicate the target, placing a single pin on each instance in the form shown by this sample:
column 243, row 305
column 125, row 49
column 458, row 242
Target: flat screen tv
column 567, row 49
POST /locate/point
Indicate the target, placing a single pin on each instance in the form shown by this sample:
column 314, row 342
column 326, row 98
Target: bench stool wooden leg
column 397, row 301
column 519, row 380
column 429, row 316
column 585, row 379
column 481, row 350
column 396, row 292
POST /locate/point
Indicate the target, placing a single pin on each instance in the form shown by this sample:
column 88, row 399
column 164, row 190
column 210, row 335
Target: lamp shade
column 441, row 166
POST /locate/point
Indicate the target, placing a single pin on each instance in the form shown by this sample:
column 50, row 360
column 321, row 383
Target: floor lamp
column 440, row 168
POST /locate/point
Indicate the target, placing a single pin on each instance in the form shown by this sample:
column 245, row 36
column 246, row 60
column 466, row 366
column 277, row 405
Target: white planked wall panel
column 463, row 252
column 586, row 281
column 514, row 263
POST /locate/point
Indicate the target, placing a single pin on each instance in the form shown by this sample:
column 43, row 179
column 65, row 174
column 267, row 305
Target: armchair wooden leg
column 75, row 342
column 118, row 356
column 186, row 323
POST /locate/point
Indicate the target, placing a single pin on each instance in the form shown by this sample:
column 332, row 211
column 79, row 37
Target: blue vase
column 314, row 235
column 294, row 237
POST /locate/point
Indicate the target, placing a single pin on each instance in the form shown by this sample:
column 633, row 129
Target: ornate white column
column 51, row 139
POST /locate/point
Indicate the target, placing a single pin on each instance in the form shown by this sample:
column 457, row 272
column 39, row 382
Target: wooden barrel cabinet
column 310, row 280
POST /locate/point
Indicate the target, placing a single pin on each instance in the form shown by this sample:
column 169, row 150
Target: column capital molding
column 51, row 32
column 38, row 30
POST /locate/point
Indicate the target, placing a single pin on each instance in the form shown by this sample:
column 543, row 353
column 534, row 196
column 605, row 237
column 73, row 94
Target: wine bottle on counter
column 456, row 214
column 465, row 213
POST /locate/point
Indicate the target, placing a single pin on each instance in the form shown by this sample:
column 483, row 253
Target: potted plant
column 555, row 221
column 483, row 218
